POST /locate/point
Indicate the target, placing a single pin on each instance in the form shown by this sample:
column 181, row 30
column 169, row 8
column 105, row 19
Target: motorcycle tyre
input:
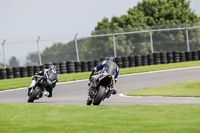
column 34, row 94
column 100, row 95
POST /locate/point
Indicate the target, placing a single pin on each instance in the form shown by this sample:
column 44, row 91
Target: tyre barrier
column 90, row 65
column 47, row 65
column 188, row 56
column 36, row 69
column 156, row 57
column 16, row 72
column 144, row 60
column 170, row 57
column 195, row 55
column 78, row 67
column 150, row 59
column 138, row 60
column 176, row 57
column 182, row 57
column 96, row 62
column 23, row 72
column 63, row 67
column 85, row 66
column 9, row 72
column 125, row 62
column 3, row 73
column 30, row 71
column 131, row 60
column 119, row 61
column 163, row 57
column 70, row 66
column 199, row 55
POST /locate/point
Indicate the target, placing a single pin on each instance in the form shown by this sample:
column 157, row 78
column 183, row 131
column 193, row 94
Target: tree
column 145, row 16
column 58, row 52
column 13, row 62
column 1, row 65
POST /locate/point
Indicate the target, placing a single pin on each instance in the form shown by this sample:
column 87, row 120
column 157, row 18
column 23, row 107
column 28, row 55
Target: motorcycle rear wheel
column 100, row 95
column 34, row 94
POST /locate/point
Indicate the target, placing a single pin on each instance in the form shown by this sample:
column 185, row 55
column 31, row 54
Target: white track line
column 69, row 82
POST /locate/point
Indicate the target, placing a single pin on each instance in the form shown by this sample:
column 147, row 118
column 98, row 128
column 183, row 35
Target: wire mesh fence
column 141, row 40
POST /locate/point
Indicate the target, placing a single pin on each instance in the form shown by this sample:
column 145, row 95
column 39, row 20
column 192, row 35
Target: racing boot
column 114, row 92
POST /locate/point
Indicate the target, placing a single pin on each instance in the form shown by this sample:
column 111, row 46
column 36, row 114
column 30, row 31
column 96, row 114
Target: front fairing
column 52, row 76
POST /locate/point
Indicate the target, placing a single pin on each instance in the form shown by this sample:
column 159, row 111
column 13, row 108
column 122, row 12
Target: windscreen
column 109, row 68
column 52, row 76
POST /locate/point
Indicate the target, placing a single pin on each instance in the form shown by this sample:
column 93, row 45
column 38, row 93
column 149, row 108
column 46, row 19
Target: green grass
column 182, row 89
column 24, row 82
column 38, row 118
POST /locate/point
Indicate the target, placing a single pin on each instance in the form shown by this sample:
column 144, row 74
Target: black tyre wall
column 3, row 73
column 70, row 66
column 63, row 67
column 9, row 72
column 125, row 62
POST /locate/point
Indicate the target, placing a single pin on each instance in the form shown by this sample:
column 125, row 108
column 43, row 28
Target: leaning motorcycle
column 39, row 90
column 102, row 83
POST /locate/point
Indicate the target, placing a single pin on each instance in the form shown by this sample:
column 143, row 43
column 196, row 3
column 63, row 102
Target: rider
column 109, row 62
column 51, row 76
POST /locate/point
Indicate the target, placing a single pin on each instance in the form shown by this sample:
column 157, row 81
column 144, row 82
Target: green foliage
column 13, row 62
column 1, row 65
column 57, row 53
column 147, row 15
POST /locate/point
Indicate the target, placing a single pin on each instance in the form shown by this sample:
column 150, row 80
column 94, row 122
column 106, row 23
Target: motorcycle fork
column 108, row 93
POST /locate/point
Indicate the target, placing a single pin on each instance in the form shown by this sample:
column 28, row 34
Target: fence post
column 151, row 39
column 39, row 50
column 4, row 61
column 187, row 37
column 115, row 53
column 75, row 39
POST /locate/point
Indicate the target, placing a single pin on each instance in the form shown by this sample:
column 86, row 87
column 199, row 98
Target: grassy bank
column 29, row 118
column 24, row 82
column 182, row 89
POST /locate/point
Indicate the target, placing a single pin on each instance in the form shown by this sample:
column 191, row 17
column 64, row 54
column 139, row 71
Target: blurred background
column 35, row 32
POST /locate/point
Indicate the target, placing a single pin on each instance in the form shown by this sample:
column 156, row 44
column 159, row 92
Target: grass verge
column 24, row 82
column 29, row 118
column 182, row 89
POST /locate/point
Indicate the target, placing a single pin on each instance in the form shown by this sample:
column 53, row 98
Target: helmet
column 111, row 58
column 53, row 68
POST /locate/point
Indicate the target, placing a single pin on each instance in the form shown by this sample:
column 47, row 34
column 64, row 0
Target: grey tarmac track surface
column 75, row 93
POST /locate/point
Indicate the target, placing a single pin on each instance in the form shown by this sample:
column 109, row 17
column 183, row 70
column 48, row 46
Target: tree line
column 144, row 16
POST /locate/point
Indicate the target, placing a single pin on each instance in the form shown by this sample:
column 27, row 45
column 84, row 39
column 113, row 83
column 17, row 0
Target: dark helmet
column 111, row 58
column 53, row 68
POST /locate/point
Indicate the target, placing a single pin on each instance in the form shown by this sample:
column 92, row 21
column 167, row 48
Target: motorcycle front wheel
column 100, row 95
column 34, row 94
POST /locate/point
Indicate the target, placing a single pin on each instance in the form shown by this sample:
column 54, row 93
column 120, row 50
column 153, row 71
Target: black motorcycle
column 39, row 89
column 102, row 83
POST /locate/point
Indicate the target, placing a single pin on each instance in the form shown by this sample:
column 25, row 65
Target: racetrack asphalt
column 75, row 92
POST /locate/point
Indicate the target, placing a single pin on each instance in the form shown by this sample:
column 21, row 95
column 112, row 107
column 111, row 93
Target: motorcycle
column 102, row 83
column 39, row 90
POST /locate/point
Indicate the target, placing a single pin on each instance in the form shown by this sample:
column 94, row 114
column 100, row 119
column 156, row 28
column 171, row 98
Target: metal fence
column 121, row 42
